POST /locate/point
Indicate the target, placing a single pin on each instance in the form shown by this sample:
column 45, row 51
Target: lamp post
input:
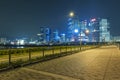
column 76, row 29
column 71, row 26
column 87, row 31
column 80, row 40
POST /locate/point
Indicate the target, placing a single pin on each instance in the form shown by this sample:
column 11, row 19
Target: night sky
column 23, row 18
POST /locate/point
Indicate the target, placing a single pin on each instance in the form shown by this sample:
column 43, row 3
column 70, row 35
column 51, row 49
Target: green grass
column 21, row 56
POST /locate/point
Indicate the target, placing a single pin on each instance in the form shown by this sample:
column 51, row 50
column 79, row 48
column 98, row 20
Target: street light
column 71, row 14
column 87, row 31
column 80, row 41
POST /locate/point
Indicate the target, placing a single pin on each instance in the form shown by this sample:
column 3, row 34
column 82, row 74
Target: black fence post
column 80, row 47
column 29, row 54
column 10, row 57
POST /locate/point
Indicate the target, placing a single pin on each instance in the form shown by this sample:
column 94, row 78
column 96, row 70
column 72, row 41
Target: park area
column 94, row 64
column 12, row 58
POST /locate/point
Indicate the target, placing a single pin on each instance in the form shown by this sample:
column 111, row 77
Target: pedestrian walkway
column 95, row 64
column 50, row 74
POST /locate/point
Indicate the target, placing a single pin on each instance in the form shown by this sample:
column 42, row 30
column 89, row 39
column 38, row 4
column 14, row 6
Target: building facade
column 104, row 32
column 44, row 35
column 93, row 30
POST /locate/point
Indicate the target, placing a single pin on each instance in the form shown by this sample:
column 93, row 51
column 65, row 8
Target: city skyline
column 24, row 18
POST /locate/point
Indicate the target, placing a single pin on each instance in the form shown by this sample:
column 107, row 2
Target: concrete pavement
column 95, row 64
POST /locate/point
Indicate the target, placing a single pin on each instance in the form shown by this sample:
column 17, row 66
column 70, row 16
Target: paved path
column 95, row 64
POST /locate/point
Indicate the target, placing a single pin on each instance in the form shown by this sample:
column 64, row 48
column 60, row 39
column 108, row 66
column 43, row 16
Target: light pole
column 80, row 40
column 75, row 28
column 71, row 14
column 71, row 26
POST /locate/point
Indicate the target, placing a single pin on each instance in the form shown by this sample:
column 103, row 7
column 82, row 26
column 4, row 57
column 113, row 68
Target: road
column 95, row 64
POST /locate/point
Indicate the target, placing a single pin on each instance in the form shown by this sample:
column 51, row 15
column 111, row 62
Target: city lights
column 92, row 20
column 93, row 30
column 71, row 14
column 87, row 31
column 63, row 34
column 76, row 30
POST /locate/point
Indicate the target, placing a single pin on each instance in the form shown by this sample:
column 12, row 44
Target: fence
column 19, row 57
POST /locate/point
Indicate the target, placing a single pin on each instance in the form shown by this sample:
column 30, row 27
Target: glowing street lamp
column 87, row 31
column 71, row 14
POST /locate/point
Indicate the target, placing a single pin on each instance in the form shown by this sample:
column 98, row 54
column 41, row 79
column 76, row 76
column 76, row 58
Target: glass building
column 73, row 29
column 44, row 35
column 104, row 32
column 94, row 30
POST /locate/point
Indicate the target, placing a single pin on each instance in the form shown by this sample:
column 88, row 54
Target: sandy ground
column 94, row 64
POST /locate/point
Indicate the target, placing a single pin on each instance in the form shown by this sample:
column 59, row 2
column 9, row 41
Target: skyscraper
column 104, row 32
column 44, row 35
column 95, row 30
column 73, row 29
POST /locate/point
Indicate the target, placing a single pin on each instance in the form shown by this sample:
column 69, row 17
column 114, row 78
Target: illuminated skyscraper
column 44, row 35
column 3, row 40
column 93, row 27
column 62, row 37
column 77, row 30
column 73, row 29
column 99, row 30
column 56, row 37
column 104, row 32
column 95, row 30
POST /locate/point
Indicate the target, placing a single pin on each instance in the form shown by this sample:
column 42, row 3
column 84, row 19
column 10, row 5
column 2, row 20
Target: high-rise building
column 104, row 32
column 3, row 40
column 73, row 29
column 83, row 31
column 55, row 36
column 44, row 35
column 95, row 30
column 62, row 37
column 93, row 27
